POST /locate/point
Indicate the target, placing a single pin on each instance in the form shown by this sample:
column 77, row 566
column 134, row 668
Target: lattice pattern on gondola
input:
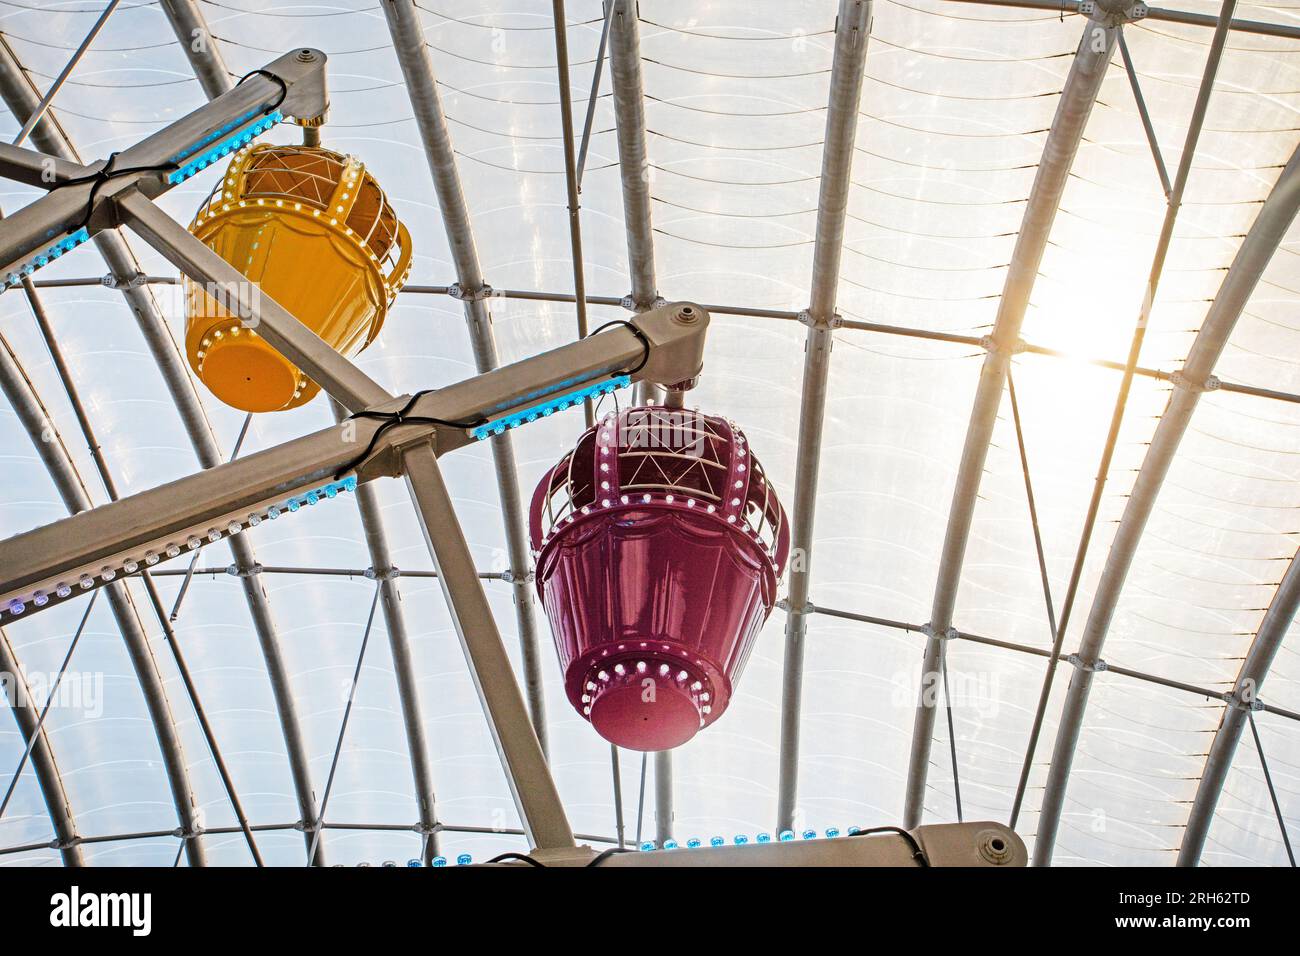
column 668, row 454
column 309, row 177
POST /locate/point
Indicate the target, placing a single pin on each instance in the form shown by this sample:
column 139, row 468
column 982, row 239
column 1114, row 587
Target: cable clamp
column 785, row 605
column 950, row 634
column 1179, row 380
column 387, row 574
column 630, row 303
column 989, row 344
column 527, row 577
column 1113, row 12
column 458, row 291
column 114, row 281
column 1083, row 665
column 1237, row 702
column 306, row 827
column 236, row 571
column 806, row 318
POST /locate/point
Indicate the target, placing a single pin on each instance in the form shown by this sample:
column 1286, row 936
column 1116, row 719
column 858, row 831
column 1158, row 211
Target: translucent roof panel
column 957, row 106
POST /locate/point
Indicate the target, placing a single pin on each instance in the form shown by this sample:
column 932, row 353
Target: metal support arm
column 293, row 85
column 1072, row 111
column 984, row 844
column 171, row 516
column 531, row 784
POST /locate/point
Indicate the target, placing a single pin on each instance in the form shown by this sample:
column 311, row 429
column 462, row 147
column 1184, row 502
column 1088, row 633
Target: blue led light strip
column 66, row 244
column 693, row 843
column 39, row 599
column 316, row 494
column 216, row 134
column 246, row 127
column 241, row 137
column 549, row 407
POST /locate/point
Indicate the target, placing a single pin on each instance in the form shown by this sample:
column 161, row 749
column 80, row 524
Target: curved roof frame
column 204, row 53
column 37, row 422
column 42, row 756
column 1263, row 239
column 22, row 100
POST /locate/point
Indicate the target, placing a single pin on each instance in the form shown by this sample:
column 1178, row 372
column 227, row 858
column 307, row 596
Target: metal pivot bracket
column 1180, row 380
column 1097, row 667
column 834, row 322
column 82, row 200
column 629, row 303
column 458, row 291
column 1113, row 12
column 947, row 634
column 1235, row 700
column 990, row 344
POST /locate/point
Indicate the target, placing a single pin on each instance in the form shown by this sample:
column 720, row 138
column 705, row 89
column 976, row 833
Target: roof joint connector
column 1113, row 12
column 458, row 291
column 1242, row 701
column 234, row 570
column 1179, row 380
column 630, row 303
column 823, row 325
column 115, row 281
column 306, row 827
column 948, row 634
column 785, row 605
column 990, row 344
column 383, row 574
column 528, row 576
column 1096, row 667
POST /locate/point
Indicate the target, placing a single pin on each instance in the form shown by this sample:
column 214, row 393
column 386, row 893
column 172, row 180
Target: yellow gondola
column 316, row 233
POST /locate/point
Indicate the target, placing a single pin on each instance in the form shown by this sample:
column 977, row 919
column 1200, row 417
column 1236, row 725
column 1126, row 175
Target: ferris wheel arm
column 85, row 551
column 80, row 201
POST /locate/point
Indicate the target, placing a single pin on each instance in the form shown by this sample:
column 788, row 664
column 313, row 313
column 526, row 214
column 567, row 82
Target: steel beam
column 399, row 643
column 1270, row 227
column 38, row 424
column 66, row 72
column 274, row 827
column 1245, row 691
column 205, row 59
column 297, row 91
column 663, row 796
column 178, row 517
column 51, row 138
column 624, row 38
column 1081, row 87
column 957, row 635
column 633, row 164
column 417, row 69
column 561, row 30
column 852, row 29
column 27, row 715
column 536, row 799
column 1060, row 7
column 1174, row 194
column 985, row 844
column 186, row 18
column 756, row 312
